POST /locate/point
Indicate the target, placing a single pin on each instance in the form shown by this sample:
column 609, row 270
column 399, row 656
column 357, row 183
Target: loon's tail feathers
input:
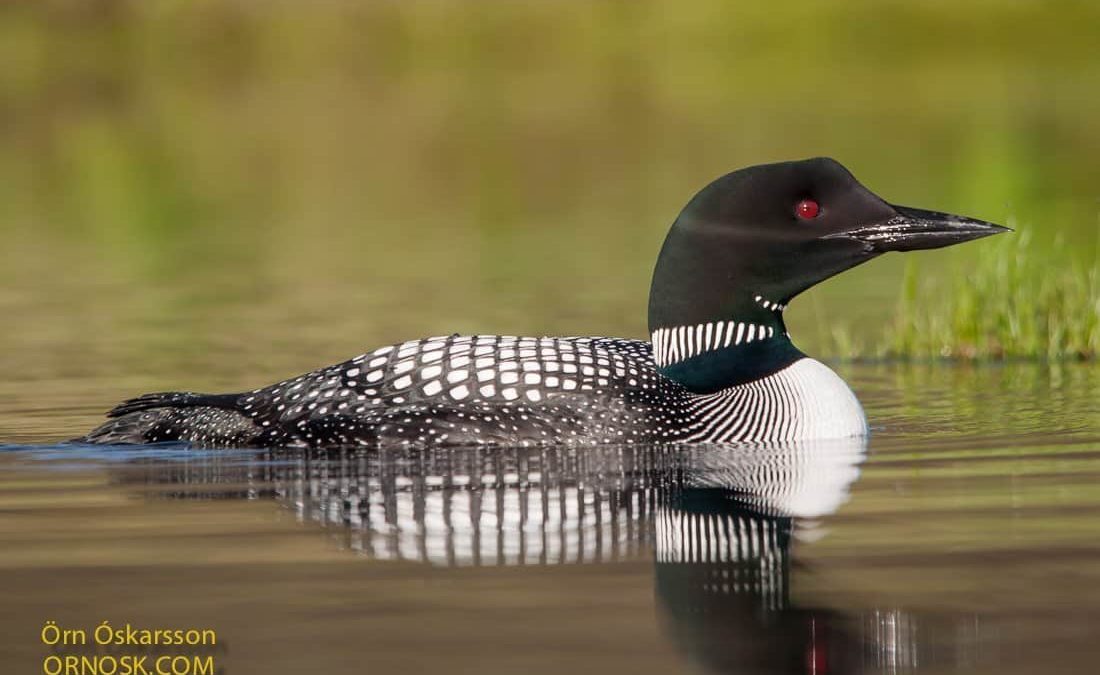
column 129, row 429
column 209, row 420
column 174, row 399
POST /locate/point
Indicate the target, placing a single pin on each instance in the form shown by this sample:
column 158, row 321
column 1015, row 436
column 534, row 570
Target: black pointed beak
column 914, row 229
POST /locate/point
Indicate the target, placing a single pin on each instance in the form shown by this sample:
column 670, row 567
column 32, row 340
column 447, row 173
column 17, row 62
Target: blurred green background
column 223, row 193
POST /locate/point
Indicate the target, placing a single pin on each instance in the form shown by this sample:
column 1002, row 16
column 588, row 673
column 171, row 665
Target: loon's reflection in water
column 722, row 524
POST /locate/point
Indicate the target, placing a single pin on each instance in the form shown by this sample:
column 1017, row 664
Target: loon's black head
column 755, row 238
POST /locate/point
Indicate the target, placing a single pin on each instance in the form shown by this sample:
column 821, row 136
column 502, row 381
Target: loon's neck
column 709, row 356
column 715, row 310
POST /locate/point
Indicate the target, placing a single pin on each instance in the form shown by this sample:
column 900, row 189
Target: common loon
column 719, row 367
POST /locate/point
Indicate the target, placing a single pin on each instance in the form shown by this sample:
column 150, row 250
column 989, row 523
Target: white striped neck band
column 675, row 344
column 769, row 304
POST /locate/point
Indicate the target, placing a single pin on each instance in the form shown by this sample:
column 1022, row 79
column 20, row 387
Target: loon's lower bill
column 719, row 367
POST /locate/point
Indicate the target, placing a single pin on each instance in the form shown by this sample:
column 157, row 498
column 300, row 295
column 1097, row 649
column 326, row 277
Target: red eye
column 807, row 209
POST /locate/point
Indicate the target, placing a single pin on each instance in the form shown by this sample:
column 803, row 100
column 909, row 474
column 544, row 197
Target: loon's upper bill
column 720, row 366
column 914, row 229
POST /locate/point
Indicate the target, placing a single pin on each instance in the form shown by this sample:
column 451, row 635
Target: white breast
column 804, row 401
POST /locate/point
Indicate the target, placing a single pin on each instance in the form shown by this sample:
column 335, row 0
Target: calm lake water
column 964, row 537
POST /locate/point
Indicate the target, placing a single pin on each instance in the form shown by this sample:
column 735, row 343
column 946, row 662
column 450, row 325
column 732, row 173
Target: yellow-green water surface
column 967, row 541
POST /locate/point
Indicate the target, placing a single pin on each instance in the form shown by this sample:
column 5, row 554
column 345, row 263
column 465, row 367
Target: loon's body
column 474, row 390
column 720, row 366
